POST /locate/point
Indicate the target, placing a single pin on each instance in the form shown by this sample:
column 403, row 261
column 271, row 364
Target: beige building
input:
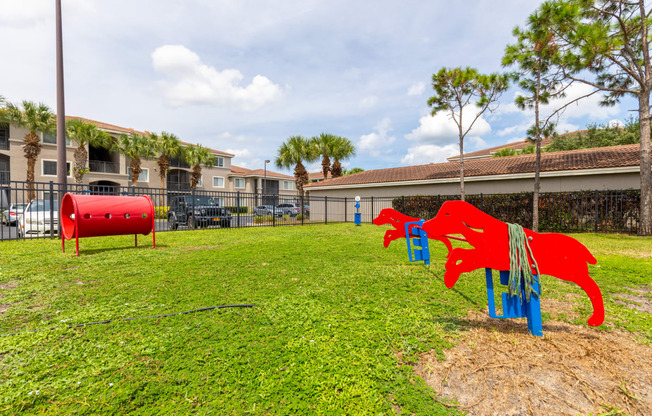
column 605, row 168
column 109, row 169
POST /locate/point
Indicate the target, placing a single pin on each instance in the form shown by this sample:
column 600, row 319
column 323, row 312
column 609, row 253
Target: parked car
column 263, row 210
column 201, row 211
column 288, row 209
column 39, row 219
column 10, row 216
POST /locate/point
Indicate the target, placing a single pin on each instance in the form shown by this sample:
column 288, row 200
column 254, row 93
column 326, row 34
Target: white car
column 38, row 221
column 11, row 215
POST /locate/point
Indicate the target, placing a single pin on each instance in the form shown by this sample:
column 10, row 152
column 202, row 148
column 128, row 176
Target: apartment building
column 109, row 169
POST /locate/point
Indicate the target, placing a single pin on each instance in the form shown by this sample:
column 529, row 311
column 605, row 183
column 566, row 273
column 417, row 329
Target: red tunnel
column 94, row 215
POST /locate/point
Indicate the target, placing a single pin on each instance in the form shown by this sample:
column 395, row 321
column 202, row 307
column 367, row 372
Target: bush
column 161, row 213
column 300, row 217
column 238, row 210
column 259, row 219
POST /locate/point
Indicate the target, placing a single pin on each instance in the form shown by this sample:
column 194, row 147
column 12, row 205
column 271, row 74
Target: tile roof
column 318, row 175
column 602, row 157
column 485, row 153
column 113, row 127
column 238, row 170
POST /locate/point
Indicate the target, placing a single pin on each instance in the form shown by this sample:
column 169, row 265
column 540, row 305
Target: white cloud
column 374, row 142
column 192, row 82
column 441, row 129
column 417, row 88
column 429, row 153
column 616, row 123
column 368, row 102
column 244, row 153
column 515, row 129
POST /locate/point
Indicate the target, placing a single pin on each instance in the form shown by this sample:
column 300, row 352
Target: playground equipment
column 94, row 216
column 495, row 247
column 357, row 217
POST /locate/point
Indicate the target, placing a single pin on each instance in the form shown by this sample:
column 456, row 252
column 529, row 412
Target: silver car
column 39, row 219
column 263, row 210
column 11, row 215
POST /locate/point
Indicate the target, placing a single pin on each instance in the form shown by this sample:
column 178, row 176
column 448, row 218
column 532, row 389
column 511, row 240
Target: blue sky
column 242, row 76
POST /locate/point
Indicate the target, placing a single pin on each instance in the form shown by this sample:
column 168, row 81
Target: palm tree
column 198, row 156
column 324, row 144
column 342, row 150
column 36, row 118
column 168, row 145
column 292, row 153
column 85, row 134
column 135, row 147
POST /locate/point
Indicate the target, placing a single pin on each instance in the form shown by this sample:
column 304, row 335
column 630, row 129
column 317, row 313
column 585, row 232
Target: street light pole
column 61, row 110
column 265, row 180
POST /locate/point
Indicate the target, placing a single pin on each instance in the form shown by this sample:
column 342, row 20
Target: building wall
column 383, row 194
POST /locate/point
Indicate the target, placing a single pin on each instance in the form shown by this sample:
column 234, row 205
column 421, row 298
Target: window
column 200, row 183
column 143, row 177
column 287, row 185
column 219, row 162
column 239, row 183
column 218, row 182
column 46, row 198
column 49, row 168
column 52, row 138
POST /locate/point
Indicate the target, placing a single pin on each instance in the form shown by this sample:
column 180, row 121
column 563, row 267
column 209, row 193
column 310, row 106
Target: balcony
column 103, row 166
column 4, row 176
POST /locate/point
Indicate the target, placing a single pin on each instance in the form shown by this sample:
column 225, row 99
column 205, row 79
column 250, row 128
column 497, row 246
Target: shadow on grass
column 93, row 251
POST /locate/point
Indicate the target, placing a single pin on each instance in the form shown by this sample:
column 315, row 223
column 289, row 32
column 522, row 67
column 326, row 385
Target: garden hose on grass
column 134, row 318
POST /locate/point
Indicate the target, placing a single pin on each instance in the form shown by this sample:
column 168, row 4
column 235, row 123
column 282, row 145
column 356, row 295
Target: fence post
column 345, row 205
column 403, row 204
column 303, row 209
column 325, row 210
column 274, row 199
column 372, row 208
column 52, row 208
column 595, row 227
column 237, row 206
column 133, row 190
column 192, row 208
column 481, row 202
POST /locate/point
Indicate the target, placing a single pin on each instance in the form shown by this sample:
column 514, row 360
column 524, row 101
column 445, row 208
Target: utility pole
column 62, row 173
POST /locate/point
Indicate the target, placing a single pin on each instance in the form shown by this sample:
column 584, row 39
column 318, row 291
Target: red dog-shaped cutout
column 557, row 255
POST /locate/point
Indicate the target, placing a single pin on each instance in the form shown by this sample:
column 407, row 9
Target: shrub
column 300, row 217
column 161, row 213
column 238, row 210
column 259, row 219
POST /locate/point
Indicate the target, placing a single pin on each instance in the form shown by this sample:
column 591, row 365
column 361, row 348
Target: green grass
column 334, row 311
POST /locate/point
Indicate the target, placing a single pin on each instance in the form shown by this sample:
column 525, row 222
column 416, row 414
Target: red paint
column 556, row 254
column 94, row 216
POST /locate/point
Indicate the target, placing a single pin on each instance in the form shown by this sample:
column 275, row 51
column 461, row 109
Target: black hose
column 131, row 319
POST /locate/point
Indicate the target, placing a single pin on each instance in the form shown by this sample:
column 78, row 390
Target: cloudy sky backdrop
column 241, row 75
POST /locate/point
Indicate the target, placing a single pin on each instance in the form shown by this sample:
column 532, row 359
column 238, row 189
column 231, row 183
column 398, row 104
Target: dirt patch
column 8, row 286
column 499, row 369
column 3, row 308
column 639, row 302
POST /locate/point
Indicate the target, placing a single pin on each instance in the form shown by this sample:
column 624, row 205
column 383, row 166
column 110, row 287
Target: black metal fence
column 588, row 211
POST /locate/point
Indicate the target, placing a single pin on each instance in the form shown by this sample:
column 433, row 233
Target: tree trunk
column 301, row 177
column 336, row 170
column 31, row 148
column 163, row 167
column 134, row 164
column 326, row 166
column 81, row 155
column 645, row 227
column 459, row 126
column 537, row 163
column 195, row 176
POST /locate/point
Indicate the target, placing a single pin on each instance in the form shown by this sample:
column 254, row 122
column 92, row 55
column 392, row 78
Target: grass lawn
column 337, row 323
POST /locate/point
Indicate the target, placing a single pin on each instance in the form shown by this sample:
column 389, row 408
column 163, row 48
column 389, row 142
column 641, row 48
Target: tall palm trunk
column 31, row 148
column 195, row 176
column 136, row 170
column 81, row 156
column 301, row 177
column 336, row 170
column 163, row 168
column 325, row 166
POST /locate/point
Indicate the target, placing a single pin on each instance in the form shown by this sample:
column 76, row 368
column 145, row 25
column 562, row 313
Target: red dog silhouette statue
column 556, row 254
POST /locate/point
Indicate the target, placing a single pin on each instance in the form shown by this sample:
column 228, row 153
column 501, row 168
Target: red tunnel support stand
column 94, row 216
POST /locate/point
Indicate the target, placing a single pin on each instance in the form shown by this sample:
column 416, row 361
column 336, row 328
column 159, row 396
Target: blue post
column 357, row 217
column 513, row 307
